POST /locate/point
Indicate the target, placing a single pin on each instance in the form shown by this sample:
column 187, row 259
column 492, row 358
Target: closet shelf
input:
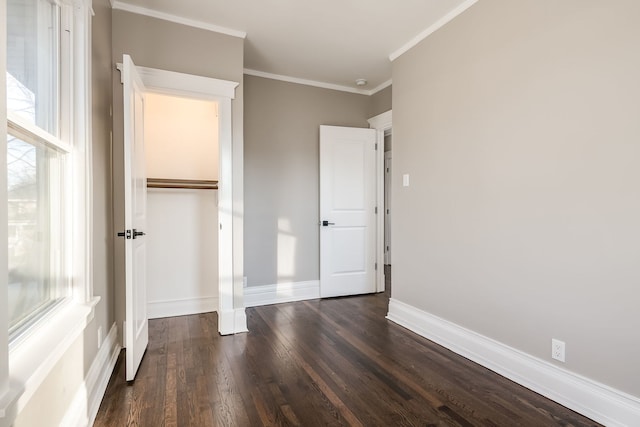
column 196, row 184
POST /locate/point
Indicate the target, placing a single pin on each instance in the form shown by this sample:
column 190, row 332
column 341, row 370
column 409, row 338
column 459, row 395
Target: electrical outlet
column 99, row 337
column 557, row 349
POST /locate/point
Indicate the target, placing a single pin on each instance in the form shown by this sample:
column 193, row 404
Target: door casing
column 230, row 319
column 380, row 123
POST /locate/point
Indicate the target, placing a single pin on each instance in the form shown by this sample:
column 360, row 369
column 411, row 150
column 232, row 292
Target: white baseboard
column 597, row 401
column 282, row 292
column 86, row 402
column 181, row 307
column 232, row 321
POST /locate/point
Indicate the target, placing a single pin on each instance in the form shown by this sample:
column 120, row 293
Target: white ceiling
column 331, row 41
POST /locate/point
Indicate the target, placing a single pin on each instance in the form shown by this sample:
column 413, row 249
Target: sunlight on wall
column 181, row 137
column 286, row 251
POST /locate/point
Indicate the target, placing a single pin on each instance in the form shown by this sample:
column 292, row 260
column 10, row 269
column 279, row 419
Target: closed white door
column 136, row 319
column 347, row 211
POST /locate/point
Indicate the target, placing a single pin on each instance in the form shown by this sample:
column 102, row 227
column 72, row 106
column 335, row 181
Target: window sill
column 31, row 361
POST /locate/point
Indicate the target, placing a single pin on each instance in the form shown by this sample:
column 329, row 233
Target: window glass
column 33, row 28
column 36, row 276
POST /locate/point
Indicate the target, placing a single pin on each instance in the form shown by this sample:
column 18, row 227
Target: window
column 39, row 147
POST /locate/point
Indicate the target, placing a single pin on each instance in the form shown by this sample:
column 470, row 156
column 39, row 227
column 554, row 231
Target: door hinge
column 376, row 146
column 376, row 266
column 375, row 210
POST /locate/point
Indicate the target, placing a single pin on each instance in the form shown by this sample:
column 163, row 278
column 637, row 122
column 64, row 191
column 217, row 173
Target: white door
column 135, row 183
column 347, row 211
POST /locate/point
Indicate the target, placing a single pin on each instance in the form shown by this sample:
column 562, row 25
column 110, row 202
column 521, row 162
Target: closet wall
column 182, row 266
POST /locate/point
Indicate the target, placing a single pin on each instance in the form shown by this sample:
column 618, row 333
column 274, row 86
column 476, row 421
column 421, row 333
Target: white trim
column 8, row 393
column 118, row 5
column 282, row 292
column 387, row 205
column 86, row 402
column 597, row 401
column 181, row 307
column 31, row 361
column 186, row 85
column 381, row 123
column 432, row 29
column 223, row 92
column 307, row 82
column 240, row 320
column 232, row 321
column 34, row 134
column 8, row 402
column 380, row 87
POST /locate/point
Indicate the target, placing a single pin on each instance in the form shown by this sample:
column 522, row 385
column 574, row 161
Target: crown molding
column 432, row 29
column 119, row 5
column 381, row 86
column 315, row 83
column 306, row 82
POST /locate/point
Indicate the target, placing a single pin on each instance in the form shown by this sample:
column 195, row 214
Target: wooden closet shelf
column 182, row 183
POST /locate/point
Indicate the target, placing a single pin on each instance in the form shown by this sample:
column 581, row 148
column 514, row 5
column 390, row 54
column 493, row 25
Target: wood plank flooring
column 333, row 362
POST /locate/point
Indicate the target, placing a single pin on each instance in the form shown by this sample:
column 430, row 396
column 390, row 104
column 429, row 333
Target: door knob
column 126, row 234
column 137, row 233
column 326, row 223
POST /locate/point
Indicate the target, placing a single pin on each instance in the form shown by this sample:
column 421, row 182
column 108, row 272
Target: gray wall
column 174, row 47
column 281, row 174
column 519, row 125
column 103, row 234
column 380, row 102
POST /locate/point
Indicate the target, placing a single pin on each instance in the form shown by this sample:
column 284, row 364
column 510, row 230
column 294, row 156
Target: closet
column 181, row 150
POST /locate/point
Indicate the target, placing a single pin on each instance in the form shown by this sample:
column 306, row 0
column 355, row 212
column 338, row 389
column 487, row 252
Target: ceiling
column 330, row 42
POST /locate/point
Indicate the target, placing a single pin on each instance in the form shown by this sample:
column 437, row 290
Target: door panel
column 136, row 324
column 347, row 204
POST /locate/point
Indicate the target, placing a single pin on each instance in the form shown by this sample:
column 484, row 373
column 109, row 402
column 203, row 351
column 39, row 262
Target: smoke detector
column 361, row 82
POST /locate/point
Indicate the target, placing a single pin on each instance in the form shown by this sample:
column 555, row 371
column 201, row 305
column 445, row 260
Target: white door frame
column 387, row 206
column 380, row 123
column 230, row 319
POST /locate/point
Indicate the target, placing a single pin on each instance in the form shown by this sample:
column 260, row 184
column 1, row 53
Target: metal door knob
column 137, row 233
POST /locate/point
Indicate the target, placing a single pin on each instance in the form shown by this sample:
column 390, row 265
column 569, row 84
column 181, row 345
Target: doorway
column 181, row 153
column 231, row 319
column 383, row 124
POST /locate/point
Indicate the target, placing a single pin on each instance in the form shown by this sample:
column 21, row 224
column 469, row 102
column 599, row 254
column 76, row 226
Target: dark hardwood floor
column 315, row 363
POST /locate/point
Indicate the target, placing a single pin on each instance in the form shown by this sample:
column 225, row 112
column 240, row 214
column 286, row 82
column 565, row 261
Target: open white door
column 347, row 211
column 136, row 328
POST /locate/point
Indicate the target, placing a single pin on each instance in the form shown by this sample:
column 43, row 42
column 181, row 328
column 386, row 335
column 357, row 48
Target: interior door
column 347, row 211
column 136, row 321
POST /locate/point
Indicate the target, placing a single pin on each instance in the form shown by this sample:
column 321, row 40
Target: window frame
column 50, row 130
column 29, row 359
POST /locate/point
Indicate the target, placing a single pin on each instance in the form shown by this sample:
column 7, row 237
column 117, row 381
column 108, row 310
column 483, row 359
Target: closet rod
column 197, row 184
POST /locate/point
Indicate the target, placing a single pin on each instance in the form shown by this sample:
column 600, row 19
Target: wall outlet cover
column 557, row 350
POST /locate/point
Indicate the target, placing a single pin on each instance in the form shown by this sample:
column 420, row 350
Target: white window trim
column 30, row 360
